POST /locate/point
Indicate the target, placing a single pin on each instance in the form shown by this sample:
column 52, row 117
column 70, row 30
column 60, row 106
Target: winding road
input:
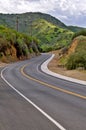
column 33, row 100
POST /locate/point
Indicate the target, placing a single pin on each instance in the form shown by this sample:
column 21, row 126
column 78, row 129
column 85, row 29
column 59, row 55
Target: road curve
column 62, row 101
column 45, row 69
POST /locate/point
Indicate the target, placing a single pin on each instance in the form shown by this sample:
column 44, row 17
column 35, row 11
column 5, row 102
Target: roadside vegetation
column 78, row 58
column 52, row 33
column 15, row 44
column 75, row 57
column 41, row 32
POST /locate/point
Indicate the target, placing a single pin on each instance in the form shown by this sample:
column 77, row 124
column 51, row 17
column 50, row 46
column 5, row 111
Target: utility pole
column 30, row 28
column 17, row 23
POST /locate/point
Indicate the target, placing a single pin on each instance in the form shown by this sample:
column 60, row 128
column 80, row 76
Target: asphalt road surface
column 33, row 100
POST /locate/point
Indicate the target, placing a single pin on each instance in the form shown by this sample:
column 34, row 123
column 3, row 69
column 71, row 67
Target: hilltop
column 75, row 28
column 26, row 19
column 52, row 33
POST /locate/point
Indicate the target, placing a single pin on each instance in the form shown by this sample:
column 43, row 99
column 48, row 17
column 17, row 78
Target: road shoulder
column 46, row 69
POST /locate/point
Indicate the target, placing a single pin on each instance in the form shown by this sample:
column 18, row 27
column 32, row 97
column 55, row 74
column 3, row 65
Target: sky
column 71, row 12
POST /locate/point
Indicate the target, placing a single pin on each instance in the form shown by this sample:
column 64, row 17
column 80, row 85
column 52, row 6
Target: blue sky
column 71, row 12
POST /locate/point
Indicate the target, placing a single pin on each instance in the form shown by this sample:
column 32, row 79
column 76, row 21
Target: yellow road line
column 51, row 86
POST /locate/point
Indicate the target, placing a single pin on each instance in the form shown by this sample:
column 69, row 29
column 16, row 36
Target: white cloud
column 63, row 9
column 66, row 6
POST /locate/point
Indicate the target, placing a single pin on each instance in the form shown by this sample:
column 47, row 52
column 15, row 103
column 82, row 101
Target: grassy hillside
column 75, row 28
column 14, row 45
column 50, row 35
column 51, row 32
column 25, row 20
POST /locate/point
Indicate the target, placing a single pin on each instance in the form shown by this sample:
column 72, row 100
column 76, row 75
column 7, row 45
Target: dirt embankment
column 73, row 46
column 53, row 66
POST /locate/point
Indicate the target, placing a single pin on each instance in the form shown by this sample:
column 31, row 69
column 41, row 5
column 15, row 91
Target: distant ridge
column 10, row 19
column 51, row 32
column 25, row 18
column 75, row 28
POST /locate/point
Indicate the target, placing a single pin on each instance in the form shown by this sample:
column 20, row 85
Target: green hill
column 51, row 32
column 25, row 20
column 50, row 35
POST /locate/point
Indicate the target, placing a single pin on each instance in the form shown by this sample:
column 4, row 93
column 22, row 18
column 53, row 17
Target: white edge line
column 33, row 104
column 45, row 69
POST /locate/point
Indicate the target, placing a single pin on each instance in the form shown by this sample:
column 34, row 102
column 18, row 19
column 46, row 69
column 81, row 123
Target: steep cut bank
column 16, row 46
column 77, row 54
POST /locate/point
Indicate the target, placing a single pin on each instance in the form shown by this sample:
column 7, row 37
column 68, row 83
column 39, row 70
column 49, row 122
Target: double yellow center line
column 51, row 86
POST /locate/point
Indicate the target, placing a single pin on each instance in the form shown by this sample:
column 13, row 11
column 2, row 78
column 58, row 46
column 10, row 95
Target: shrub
column 21, row 47
column 25, row 50
column 56, row 29
column 31, row 50
column 82, row 32
column 4, row 44
column 76, row 60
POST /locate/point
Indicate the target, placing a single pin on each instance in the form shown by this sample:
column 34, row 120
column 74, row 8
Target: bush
column 56, row 29
column 76, row 60
column 82, row 32
column 25, row 50
column 21, row 47
column 46, row 48
column 4, row 44
column 27, row 40
column 31, row 50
